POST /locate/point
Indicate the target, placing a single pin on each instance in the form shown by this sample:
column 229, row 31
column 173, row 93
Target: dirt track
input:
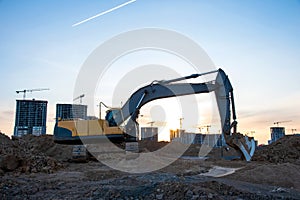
column 264, row 179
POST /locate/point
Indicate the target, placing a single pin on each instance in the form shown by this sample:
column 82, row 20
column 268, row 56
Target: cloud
column 8, row 112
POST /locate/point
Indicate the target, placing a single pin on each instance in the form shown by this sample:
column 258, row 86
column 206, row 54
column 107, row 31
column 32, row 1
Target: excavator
column 113, row 128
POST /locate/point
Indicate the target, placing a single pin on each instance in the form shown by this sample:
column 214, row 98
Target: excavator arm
column 171, row 88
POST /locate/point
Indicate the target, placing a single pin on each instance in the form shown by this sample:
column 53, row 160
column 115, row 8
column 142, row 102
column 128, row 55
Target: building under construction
column 212, row 140
column 71, row 111
column 276, row 133
column 149, row 133
column 31, row 117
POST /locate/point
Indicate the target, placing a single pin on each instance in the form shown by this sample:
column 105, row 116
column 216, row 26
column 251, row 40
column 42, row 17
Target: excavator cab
column 110, row 117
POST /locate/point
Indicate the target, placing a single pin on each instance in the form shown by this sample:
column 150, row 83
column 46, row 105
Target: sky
column 256, row 42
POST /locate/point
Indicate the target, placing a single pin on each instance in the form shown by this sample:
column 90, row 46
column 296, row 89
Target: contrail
column 105, row 12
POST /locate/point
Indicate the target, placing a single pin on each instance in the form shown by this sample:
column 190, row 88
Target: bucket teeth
column 245, row 144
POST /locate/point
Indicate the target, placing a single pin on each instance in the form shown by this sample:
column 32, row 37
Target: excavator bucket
column 244, row 144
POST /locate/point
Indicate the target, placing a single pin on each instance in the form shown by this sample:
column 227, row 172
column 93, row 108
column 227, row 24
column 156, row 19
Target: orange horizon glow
column 262, row 133
column 166, row 113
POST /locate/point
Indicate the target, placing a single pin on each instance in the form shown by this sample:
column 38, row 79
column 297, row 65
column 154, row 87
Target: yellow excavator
column 73, row 131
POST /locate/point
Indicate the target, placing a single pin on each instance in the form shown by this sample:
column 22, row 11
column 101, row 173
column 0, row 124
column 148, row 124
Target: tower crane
column 79, row 97
column 280, row 122
column 30, row 90
column 202, row 127
column 151, row 123
column 158, row 123
column 180, row 122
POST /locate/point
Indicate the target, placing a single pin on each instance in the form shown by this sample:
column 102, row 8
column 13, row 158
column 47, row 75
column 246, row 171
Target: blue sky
column 256, row 42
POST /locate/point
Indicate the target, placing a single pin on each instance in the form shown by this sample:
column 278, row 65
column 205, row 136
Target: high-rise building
column 71, row 111
column 31, row 117
column 276, row 133
column 212, row 140
column 176, row 133
column 149, row 133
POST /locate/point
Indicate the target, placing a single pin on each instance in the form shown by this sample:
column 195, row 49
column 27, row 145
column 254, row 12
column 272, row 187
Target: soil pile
column 44, row 144
column 280, row 175
column 277, row 164
column 284, row 150
column 205, row 190
column 150, row 146
column 31, row 154
column 7, row 146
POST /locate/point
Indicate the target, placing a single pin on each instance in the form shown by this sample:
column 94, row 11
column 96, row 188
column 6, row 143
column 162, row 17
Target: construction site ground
column 36, row 168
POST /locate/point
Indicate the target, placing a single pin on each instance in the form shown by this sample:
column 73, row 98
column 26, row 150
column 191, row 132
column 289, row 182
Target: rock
column 34, row 170
column 159, row 196
column 1, row 172
column 9, row 162
column 279, row 190
column 189, row 194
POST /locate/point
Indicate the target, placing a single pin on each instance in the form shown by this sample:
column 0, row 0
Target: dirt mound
column 31, row 154
column 283, row 175
column 150, row 146
column 284, row 150
column 175, row 190
column 205, row 190
column 277, row 164
column 44, row 144
column 7, row 146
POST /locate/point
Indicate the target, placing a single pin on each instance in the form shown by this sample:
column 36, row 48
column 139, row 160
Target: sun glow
column 168, row 114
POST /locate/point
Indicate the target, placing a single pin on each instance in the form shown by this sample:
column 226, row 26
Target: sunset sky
column 256, row 42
